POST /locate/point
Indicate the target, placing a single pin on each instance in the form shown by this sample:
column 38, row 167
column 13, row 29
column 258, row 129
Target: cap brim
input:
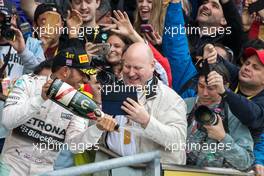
column 89, row 71
column 252, row 51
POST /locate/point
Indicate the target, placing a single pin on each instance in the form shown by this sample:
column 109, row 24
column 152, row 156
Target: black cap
column 42, row 8
column 6, row 5
column 74, row 58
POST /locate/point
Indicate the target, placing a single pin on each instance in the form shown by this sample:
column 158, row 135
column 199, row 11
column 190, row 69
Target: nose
column 205, row 92
column 206, row 6
column 247, row 68
column 131, row 72
column 144, row 3
column 112, row 48
column 85, row 80
column 83, row 5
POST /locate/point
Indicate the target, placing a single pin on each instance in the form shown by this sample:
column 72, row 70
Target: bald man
column 160, row 114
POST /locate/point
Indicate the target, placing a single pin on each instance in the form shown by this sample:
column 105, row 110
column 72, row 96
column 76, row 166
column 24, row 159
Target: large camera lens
column 105, row 78
column 205, row 116
column 5, row 26
column 8, row 34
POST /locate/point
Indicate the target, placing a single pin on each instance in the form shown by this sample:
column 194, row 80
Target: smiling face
column 116, row 51
column 87, row 9
column 251, row 72
column 144, row 8
column 210, row 13
column 138, row 65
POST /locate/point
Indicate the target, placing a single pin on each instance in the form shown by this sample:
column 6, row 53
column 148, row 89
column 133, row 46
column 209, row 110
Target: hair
column 219, row 67
column 125, row 39
column 157, row 17
column 45, row 64
column 229, row 52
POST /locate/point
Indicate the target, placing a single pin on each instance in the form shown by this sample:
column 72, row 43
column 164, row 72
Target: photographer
column 247, row 100
column 222, row 140
column 21, row 56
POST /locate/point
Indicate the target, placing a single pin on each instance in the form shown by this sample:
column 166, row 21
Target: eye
column 77, row 1
column 205, row 2
column 138, row 68
column 210, row 88
column 256, row 67
column 247, row 63
column 215, row 6
column 201, row 85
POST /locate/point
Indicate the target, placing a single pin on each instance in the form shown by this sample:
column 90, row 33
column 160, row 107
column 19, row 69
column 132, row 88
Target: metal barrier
column 152, row 158
column 174, row 170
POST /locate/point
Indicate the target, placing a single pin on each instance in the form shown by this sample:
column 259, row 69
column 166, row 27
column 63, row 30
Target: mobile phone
column 255, row 7
column 112, row 100
column 206, row 69
column 146, row 28
column 103, row 48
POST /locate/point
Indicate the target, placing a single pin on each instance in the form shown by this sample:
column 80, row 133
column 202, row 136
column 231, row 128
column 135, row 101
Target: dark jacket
column 233, row 36
column 249, row 111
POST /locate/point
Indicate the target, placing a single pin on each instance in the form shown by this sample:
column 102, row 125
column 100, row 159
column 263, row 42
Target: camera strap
column 224, row 106
column 6, row 60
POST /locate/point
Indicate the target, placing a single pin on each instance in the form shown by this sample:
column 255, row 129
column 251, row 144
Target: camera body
column 104, row 75
column 206, row 116
column 5, row 26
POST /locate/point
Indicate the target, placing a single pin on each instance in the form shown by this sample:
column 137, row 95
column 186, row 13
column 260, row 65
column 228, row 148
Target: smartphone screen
column 103, row 48
column 146, row 28
column 113, row 98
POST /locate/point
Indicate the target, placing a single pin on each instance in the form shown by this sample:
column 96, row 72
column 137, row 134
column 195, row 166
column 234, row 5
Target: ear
column 223, row 21
column 65, row 72
column 98, row 2
column 153, row 62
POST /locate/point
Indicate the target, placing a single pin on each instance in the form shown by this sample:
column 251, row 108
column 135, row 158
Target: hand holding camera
column 18, row 43
column 217, row 131
column 5, row 26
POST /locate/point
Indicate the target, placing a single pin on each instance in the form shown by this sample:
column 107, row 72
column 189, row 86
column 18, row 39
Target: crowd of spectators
column 197, row 66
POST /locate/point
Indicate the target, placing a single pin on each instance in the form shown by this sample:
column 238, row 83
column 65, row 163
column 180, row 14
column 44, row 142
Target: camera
column 5, row 25
column 206, row 116
column 104, row 75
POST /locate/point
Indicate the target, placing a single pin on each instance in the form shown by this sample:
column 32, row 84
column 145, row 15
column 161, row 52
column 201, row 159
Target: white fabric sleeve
column 78, row 133
column 20, row 106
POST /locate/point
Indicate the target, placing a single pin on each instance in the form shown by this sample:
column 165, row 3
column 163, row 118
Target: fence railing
column 151, row 158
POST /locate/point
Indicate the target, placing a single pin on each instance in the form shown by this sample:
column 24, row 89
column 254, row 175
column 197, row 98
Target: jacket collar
column 151, row 91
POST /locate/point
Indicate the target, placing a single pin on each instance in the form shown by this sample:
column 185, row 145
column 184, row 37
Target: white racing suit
column 39, row 127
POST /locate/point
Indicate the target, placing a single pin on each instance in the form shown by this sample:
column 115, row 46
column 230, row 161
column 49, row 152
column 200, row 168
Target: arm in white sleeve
column 19, row 105
column 32, row 55
column 78, row 132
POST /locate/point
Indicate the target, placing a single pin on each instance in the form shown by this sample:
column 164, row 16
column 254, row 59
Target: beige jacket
column 166, row 130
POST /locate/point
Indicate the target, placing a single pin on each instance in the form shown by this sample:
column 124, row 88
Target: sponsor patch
column 20, row 83
column 68, row 62
column 66, row 116
column 83, row 58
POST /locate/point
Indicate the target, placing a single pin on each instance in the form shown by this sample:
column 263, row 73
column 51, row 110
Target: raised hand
column 74, row 22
